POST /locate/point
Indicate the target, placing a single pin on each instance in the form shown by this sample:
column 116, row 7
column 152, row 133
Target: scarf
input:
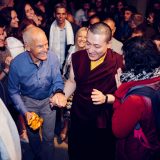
column 54, row 37
column 130, row 76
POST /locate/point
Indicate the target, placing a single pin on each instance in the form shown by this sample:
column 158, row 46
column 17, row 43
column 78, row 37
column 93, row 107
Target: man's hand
column 33, row 120
column 8, row 60
column 28, row 116
column 59, row 100
column 98, row 97
column 117, row 77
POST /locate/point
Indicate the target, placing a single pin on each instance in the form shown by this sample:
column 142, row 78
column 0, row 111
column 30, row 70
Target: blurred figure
column 124, row 30
column 156, row 40
column 115, row 45
column 137, row 21
column 9, row 142
column 138, row 32
column 93, row 19
column 118, row 17
column 81, row 14
column 71, row 19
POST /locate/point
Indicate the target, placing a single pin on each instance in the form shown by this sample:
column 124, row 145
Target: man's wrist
column 106, row 101
column 59, row 91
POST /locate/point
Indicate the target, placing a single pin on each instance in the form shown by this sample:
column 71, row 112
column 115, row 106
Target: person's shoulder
column 80, row 11
column 52, row 56
column 20, row 58
column 113, row 53
column 117, row 42
column 80, row 53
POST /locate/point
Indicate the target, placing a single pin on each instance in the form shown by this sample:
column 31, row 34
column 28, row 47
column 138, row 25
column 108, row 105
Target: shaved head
column 36, row 44
column 101, row 29
column 110, row 22
column 32, row 34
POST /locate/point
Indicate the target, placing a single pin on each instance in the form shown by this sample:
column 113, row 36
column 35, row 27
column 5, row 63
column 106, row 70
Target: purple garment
column 101, row 78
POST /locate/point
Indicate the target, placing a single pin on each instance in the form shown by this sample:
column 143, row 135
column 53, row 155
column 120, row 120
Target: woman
column 142, row 67
column 30, row 13
column 80, row 43
column 13, row 43
column 12, row 21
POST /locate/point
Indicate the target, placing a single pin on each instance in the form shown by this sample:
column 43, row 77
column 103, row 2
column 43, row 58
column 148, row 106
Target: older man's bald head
column 32, row 34
column 36, row 44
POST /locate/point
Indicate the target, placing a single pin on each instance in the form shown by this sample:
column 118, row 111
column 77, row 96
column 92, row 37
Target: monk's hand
column 117, row 77
column 58, row 100
column 98, row 97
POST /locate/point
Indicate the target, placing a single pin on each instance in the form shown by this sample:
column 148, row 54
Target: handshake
column 58, row 100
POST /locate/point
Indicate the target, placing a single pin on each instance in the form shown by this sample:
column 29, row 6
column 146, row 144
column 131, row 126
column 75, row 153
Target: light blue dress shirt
column 37, row 82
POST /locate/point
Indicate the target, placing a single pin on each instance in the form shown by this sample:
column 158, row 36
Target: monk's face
column 96, row 45
column 39, row 47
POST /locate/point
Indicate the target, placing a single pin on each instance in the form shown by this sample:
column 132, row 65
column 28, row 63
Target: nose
column 89, row 48
column 45, row 48
column 84, row 38
column 17, row 19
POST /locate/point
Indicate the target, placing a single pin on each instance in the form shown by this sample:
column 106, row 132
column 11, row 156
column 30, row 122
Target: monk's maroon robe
column 101, row 78
column 86, row 140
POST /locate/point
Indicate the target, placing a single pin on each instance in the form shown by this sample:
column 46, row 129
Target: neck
column 35, row 60
column 80, row 48
column 61, row 25
column 101, row 56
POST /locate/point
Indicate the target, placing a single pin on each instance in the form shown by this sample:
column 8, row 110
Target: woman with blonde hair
column 80, row 43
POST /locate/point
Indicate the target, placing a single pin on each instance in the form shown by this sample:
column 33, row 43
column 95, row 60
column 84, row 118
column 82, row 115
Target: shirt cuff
column 59, row 91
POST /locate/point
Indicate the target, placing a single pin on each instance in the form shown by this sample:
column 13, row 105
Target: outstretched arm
column 70, row 84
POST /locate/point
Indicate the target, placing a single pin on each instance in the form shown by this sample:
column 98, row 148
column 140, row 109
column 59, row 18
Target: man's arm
column 70, row 84
column 14, row 90
column 59, row 99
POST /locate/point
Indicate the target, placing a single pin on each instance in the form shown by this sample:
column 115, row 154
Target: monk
column 92, row 79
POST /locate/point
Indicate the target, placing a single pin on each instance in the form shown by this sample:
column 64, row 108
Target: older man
column 92, row 73
column 33, row 78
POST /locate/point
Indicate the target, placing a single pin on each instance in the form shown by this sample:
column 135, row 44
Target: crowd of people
column 70, row 69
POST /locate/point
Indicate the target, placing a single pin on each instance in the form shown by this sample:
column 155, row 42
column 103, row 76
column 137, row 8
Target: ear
column 54, row 15
column 26, row 46
column 66, row 15
column 113, row 31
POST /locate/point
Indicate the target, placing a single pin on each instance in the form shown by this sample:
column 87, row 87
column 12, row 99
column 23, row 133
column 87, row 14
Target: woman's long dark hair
column 140, row 55
column 6, row 14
